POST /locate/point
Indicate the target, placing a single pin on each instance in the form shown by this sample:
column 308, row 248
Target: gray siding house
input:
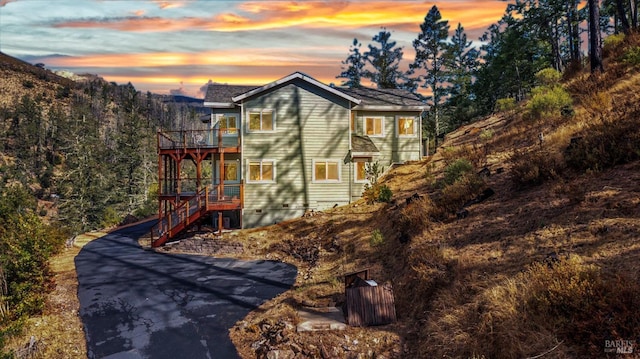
column 304, row 144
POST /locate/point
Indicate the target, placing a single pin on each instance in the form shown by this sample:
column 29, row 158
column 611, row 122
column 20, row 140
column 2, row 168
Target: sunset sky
column 179, row 46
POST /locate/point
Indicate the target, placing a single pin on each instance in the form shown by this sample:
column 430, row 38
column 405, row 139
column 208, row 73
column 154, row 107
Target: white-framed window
column 360, row 167
column 261, row 121
column 374, row 126
column 326, row 170
column 407, row 126
column 261, row 171
column 228, row 123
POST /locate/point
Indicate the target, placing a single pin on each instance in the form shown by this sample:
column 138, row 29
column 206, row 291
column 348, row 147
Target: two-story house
column 293, row 145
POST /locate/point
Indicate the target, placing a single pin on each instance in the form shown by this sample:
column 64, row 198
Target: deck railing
column 212, row 138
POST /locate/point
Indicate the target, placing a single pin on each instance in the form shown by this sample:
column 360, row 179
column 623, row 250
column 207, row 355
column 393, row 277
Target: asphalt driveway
column 142, row 304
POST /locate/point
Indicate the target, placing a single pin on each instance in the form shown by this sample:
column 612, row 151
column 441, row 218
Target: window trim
column 326, row 161
column 248, row 172
column 364, row 126
column 415, row 129
column 227, row 115
column 261, row 111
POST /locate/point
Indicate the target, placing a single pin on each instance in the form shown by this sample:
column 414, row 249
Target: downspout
column 242, row 172
column 349, row 154
column 420, row 150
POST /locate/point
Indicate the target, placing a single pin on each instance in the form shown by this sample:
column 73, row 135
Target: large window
column 374, row 126
column 361, row 171
column 231, row 171
column 261, row 120
column 406, row 126
column 326, row 170
column 228, row 123
column 261, row 171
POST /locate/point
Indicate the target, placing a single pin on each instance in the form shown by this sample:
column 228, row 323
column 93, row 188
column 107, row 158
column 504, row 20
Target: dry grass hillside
column 547, row 265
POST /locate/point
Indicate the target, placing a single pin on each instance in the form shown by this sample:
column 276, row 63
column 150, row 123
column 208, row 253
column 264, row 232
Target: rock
column 462, row 213
column 295, row 347
column 414, row 197
column 281, row 354
column 485, row 172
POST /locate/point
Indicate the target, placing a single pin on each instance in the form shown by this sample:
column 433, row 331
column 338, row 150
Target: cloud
column 170, row 4
column 138, row 12
column 203, row 89
column 5, row 2
column 179, row 91
column 268, row 15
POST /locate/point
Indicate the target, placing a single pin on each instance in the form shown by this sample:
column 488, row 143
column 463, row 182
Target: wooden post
column 220, row 224
column 221, row 186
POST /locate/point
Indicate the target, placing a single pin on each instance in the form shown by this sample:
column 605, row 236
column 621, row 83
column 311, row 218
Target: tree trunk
column 595, row 44
column 622, row 14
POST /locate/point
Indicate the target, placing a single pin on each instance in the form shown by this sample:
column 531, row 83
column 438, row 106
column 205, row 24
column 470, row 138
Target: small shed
column 367, row 302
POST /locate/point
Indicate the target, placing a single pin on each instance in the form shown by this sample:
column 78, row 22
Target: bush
column 456, row 170
column 632, row 56
column 612, row 43
column 385, row 194
column 454, row 196
column 26, row 244
column 418, row 215
column 565, row 301
column 377, row 238
column 549, row 102
column 506, row 104
column 606, row 144
column 535, row 167
column 548, row 77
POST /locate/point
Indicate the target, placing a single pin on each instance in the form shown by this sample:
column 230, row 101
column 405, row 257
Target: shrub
column 549, row 102
column 455, row 195
column 632, row 56
column 535, row 167
column 565, row 301
column 456, row 170
column 418, row 215
column 377, row 238
column 506, row 104
column 385, row 194
column 605, row 144
column 612, row 43
column 548, row 77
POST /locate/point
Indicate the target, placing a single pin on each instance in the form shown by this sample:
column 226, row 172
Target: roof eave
column 296, row 75
column 389, row 108
column 364, row 154
column 219, row 104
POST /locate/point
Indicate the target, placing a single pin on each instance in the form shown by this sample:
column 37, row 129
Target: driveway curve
column 136, row 303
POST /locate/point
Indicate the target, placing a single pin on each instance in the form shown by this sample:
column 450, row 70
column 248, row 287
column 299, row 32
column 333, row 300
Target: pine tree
column 355, row 65
column 385, row 62
column 461, row 60
column 429, row 62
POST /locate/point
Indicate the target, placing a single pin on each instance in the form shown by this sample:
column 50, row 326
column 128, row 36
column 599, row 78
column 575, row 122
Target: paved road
column 141, row 304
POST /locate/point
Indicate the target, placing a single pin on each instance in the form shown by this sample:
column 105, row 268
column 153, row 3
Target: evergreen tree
column 461, row 60
column 429, row 62
column 385, row 62
column 355, row 65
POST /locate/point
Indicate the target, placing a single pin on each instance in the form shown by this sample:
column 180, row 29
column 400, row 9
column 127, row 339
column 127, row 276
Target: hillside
column 547, row 265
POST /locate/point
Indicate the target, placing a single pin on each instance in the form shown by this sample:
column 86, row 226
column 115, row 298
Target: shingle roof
column 372, row 97
column 362, row 144
column 369, row 98
column 220, row 93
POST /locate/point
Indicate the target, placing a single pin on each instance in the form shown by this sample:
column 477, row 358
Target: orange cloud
column 170, row 4
column 138, row 12
column 232, row 57
column 255, row 15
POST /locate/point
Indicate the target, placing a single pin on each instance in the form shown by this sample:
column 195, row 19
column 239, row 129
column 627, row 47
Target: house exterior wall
column 310, row 125
column 393, row 148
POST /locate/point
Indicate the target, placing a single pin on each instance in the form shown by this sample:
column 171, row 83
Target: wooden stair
column 192, row 209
